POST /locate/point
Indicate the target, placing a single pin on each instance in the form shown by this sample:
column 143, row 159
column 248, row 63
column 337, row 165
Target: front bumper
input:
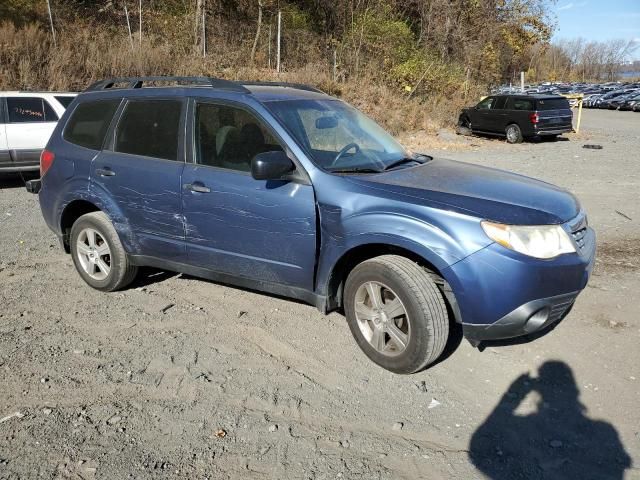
column 532, row 317
column 503, row 294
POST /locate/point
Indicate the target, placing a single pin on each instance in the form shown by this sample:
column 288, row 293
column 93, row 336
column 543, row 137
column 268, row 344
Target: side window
column 486, row 103
column 150, row 128
column 522, row 104
column 89, row 123
column 229, row 137
column 30, row 110
column 500, row 103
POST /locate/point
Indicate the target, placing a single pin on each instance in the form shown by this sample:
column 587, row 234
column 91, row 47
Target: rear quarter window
column 552, row 104
column 522, row 104
column 89, row 123
column 65, row 101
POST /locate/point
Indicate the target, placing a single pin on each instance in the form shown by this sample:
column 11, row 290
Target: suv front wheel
column 396, row 313
column 98, row 254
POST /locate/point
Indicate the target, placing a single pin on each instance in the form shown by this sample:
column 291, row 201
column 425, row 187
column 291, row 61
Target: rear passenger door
column 140, row 171
column 237, row 225
column 30, row 123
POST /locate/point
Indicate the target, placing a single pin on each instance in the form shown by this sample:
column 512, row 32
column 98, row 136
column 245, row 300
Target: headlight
column 540, row 241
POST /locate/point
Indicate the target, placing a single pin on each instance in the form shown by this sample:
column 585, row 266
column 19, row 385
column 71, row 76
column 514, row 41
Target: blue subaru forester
column 281, row 188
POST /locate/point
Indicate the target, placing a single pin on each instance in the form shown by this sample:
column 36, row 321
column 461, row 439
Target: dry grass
column 86, row 53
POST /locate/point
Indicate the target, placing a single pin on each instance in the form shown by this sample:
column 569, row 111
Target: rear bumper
column 532, row 317
column 553, row 131
column 33, row 186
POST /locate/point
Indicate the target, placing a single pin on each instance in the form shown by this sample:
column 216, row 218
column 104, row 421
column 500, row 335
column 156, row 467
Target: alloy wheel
column 94, row 254
column 382, row 318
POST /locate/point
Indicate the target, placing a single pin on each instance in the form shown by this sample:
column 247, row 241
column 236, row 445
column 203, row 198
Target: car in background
column 606, row 100
column 27, row 120
column 518, row 117
column 628, row 101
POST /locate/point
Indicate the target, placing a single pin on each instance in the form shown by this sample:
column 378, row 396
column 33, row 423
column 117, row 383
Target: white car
column 27, row 120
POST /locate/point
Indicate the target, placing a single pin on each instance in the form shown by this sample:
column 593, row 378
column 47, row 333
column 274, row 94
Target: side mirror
column 271, row 165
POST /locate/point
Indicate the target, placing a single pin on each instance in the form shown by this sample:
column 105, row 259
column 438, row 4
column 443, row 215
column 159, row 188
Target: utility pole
column 522, row 81
column 140, row 21
column 204, row 33
column 278, row 42
column 53, row 30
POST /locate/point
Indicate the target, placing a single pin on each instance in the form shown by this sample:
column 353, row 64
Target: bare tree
column 255, row 40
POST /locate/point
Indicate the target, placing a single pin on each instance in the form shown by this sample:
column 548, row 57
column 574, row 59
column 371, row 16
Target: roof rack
column 299, row 86
column 138, row 82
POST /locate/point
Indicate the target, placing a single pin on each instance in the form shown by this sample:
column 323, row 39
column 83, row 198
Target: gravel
column 239, row 362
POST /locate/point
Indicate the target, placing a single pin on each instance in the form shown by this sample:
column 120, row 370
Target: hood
column 479, row 191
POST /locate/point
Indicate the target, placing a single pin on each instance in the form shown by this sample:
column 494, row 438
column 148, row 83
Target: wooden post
column 278, row 41
column 53, row 30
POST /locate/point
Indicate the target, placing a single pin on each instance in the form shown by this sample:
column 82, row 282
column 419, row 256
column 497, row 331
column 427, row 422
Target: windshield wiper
column 420, row 159
column 355, row 170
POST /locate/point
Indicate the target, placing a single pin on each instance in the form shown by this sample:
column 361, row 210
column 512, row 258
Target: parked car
column 26, row 122
column 629, row 101
column 518, row 117
column 284, row 189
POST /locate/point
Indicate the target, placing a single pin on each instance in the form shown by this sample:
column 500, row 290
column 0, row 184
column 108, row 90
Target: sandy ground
column 182, row 378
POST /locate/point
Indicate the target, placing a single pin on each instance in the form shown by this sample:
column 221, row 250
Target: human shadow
column 557, row 441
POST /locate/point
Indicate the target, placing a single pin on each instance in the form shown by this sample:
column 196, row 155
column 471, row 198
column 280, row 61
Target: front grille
column 559, row 309
column 579, row 237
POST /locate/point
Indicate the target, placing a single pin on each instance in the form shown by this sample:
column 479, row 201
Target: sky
column 599, row 20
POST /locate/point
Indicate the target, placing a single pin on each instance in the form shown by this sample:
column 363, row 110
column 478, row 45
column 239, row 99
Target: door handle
column 105, row 172
column 197, row 187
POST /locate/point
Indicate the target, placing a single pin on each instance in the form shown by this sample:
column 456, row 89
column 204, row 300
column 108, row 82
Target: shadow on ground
column 15, row 180
column 552, row 439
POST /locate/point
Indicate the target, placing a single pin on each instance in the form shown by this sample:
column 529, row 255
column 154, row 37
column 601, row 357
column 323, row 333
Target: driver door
column 482, row 115
column 256, row 229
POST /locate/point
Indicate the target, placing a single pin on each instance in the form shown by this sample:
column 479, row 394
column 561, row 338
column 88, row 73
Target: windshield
column 338, row 137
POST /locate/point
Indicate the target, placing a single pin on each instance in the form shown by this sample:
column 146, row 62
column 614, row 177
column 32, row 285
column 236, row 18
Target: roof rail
column 138, row 82
column 299, row 86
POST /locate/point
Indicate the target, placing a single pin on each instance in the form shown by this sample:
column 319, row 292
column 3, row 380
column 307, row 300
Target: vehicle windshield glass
column 339, row 137
column 553, row 104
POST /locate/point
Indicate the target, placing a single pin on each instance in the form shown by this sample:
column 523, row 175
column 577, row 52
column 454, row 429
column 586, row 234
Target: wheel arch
column 72, row 211
column 358, row 254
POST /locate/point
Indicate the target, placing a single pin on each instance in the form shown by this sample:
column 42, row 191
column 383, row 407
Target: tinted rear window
column 30, row 110
column 521, row 104
column 64, row 101
column 89, row 123
column 552, row 104
column 150, row 128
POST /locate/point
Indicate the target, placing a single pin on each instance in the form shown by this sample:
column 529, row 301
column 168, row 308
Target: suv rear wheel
column 98, row 254
column 514, row 134
column 396, row 313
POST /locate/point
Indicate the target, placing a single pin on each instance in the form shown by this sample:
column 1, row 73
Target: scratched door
column 139, row 173
column 257, row 229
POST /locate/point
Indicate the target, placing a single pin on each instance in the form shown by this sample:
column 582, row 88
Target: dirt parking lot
column 182, row 378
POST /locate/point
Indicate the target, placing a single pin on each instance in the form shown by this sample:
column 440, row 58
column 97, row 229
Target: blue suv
column 281, row 188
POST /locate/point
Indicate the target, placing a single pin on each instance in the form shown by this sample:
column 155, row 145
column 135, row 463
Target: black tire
column 426, row 311
column 122, row 272
column 513, row 133
column 464, row 126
